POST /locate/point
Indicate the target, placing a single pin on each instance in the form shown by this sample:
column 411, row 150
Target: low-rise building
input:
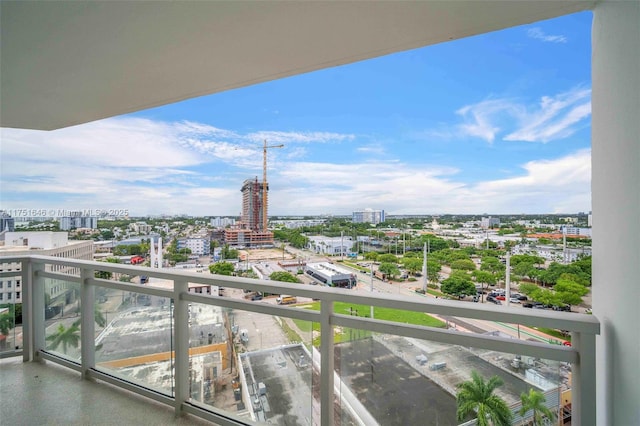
column 331, row 275
column 331, row 246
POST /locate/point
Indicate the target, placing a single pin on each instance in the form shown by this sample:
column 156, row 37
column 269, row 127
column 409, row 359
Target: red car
column 501, row 298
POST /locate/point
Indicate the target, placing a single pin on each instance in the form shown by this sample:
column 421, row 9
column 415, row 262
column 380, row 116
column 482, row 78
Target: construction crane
column 264, row 182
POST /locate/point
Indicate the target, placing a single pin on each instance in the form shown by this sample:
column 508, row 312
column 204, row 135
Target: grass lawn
column 387, row 314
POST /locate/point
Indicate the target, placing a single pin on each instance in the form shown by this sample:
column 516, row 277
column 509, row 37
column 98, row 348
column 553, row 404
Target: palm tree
column 476, row 397
column 534, row 401
column 65, row 337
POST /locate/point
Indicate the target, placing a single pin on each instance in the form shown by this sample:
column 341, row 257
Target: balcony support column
column 583, row 380
column 87, row 322
column 37, row 304
column 326, row 364
column 615, row 155
column 27, row 310
column 181, row 345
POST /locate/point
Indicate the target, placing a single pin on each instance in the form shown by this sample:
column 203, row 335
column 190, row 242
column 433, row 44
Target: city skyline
column 498, row 123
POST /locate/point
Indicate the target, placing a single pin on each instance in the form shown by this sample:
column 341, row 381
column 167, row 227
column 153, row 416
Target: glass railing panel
column 134, row 338
column 398, row 381
column 11, row 307
column 62, row 310
column 253, row 365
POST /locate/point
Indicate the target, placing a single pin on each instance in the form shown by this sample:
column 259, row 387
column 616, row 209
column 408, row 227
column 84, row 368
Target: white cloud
column 376, row 149
column 479, row 118
column 275, row 137
column 153, row 167
column 554, row 117
column 537, row 34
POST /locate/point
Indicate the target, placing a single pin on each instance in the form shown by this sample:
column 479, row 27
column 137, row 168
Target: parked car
column 514, row 300
column 565, row 308
column 491, row 298
column 501, row 297
column 527, row 305
column 522, row 297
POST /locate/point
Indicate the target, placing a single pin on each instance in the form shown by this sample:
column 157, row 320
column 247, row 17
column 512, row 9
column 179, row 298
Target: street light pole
column 371, row 266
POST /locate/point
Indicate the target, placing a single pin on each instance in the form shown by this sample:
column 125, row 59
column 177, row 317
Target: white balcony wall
column 616, row 208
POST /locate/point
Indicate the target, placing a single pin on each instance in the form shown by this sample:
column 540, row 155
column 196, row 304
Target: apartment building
column 199, row 245
column 68, row 223
column 45, row 243
column 368, row 216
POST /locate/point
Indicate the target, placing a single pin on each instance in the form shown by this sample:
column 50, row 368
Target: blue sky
column 497, row 123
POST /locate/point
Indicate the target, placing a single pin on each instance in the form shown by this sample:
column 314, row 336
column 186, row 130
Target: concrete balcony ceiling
column 66, row 63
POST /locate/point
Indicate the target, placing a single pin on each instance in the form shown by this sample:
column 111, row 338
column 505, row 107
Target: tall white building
column 489, row 222
column 68, row 223
column 221, row 222
column 368, row 216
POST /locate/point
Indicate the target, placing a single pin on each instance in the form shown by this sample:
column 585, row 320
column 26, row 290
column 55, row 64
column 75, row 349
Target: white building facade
column 46, row 244
column 368, row 216
column 198, row 245
column 331, row 246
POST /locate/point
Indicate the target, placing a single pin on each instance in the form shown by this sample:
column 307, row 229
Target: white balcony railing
column 39, row 273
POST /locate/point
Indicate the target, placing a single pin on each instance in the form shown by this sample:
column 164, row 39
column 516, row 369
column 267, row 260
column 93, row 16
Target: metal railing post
column 181, row 345
column 326, row 364
column 87, row 322
column 37, row 299
column 583, row 378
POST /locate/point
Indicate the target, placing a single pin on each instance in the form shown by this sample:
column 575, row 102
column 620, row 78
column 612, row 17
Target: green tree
column 222, row 268
column 389, row 268
column 458, row 284
column 105, row 274
column 528, row 288
column 492, row 264
column 283, row 276
column 412, row 264
column 534, row 401
column 463, row 265
column 372, row 255
column 476, row 397
column 387, row 258
column 433, row 270
column 6, row 323
column 64, row 336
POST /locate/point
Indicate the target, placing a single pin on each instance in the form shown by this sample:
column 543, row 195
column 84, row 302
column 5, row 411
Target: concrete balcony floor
column 38, row 394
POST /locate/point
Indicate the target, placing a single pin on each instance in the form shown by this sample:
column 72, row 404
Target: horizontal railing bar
column 137, row 288
column 480, row 341
column 58, row 276
column 263, row 308
column 60, row 360
column 132, row 387
column 212, row 414
column 11, row 353
column 571, row 322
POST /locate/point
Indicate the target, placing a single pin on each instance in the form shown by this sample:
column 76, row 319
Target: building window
column 1, row 296
column 17, row 295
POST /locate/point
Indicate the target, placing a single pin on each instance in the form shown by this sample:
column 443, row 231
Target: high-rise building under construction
column 252, row 207
column 251, row 231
